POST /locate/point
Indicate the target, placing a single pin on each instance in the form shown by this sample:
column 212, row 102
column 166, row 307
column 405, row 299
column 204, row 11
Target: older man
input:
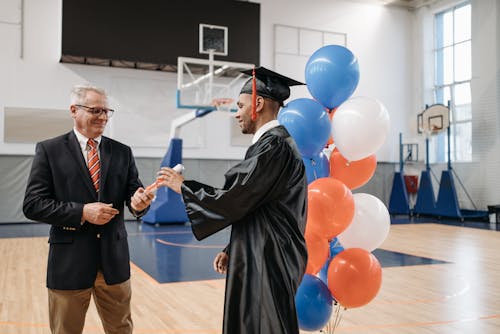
column 79, row 183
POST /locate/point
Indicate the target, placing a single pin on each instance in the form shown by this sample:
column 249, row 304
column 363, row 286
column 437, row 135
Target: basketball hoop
column 433, row 120
column 223, row 103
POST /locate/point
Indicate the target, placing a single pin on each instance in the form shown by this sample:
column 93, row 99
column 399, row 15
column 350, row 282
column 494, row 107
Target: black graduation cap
column 269, row 84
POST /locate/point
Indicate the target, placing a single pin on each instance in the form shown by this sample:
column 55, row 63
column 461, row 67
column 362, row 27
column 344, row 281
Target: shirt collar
column 82, row 140
column 263, row 129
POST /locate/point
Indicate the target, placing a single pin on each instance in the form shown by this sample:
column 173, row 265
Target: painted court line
column 155, row 282
column 417, row 324
column 462, row 291
column 134, row 234
column 94, row 329
column 168, row 243
column 210, row 331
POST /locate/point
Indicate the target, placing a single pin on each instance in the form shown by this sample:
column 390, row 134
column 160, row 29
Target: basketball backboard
column 200, row 81
column 433, row 119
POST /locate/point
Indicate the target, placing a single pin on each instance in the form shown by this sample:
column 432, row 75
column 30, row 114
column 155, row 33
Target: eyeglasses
column 97, row 111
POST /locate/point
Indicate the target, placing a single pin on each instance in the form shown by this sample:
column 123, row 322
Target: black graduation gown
column 265, row 200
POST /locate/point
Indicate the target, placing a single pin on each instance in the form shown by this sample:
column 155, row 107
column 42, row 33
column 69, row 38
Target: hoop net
column 223, row 103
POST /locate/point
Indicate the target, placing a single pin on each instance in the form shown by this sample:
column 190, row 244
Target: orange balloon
column 354, row 174
column 318, row 250
column 330, row 115
column 330, row 207
column 354, row 277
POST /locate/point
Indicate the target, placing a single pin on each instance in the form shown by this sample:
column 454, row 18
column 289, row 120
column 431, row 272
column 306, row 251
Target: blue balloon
column 317, row 167
column 332, row 75
column 307, row 122
column 314, row 303
column 323, row 273
column 335, row 248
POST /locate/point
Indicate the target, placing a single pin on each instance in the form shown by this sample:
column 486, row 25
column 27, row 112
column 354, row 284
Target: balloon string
column 338, row 317
column 313, row 163
column 334, row 321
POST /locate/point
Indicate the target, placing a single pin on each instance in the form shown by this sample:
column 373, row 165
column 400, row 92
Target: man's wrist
column 82, row 220
column 136, row 213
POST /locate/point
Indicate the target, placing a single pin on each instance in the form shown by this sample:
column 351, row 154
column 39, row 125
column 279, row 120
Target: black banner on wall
column 153, row 33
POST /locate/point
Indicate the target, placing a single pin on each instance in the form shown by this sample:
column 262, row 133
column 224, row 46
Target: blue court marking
column 171, row 253
column 396, row 259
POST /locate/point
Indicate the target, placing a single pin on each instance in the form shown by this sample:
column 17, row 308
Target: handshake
column 168, row 177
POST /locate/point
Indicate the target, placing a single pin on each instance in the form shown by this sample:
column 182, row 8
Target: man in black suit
column 79, row 183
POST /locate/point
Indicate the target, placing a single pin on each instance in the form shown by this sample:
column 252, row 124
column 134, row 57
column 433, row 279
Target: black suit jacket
column 59, row 185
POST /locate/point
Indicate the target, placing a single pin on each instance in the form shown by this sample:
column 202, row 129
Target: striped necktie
column 93, row 163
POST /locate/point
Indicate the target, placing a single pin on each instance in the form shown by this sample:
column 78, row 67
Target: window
column 452, row 81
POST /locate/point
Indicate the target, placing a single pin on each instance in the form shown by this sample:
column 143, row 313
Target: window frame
column 440, row 86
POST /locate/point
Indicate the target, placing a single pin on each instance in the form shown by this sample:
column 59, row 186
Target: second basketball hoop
column 223, row 103
column 433, row 119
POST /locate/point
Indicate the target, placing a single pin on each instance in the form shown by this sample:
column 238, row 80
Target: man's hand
column 141, row 199
column 170, row 178
column 99, row 213
column 220, row 262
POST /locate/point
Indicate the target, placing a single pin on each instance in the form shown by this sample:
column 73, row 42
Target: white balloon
column 370, row 225
column 359, row 127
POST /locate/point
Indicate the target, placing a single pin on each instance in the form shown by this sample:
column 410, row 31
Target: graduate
column 264, row 199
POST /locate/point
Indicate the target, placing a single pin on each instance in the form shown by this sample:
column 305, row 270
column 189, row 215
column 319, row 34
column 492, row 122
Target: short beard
column 250, row 129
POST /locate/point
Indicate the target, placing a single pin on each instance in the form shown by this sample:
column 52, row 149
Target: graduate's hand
column 141, row 199
column 98, row 213
column 167, row 177
column 220, row 262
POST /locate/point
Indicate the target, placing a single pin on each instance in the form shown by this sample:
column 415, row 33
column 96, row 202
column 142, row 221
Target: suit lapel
column 75, row 150
column 105, row 157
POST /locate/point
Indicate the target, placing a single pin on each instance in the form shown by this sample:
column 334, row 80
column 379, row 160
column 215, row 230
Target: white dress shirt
column 83, row 141
column 263, row 129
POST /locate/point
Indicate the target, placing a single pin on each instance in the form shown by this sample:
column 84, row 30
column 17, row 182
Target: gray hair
column 79, row 92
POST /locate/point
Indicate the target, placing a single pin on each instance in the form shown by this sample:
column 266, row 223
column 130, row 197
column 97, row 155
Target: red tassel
column 254, row 96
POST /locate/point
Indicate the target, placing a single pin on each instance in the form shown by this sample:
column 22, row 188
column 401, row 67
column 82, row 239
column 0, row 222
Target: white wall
column 480, row 177
column 484, row 179
column 379, row 36
column 145, row 100
column 393, row 46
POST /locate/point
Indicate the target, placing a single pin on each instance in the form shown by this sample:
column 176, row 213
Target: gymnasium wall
column 480, row 177
column 390, row 43
column 14, row 171
column 145, row 100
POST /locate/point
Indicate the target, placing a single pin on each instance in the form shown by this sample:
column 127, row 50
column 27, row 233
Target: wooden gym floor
column 438, row 277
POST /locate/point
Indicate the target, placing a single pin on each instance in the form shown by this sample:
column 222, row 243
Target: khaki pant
column 67, row 308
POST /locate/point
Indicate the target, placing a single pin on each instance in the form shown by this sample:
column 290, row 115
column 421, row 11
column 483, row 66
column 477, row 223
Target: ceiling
column 410, row 4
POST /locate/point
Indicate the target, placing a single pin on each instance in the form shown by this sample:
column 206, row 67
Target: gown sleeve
column 248, row 185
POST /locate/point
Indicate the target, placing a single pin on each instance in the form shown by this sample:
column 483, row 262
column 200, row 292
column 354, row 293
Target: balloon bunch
column 342, row 228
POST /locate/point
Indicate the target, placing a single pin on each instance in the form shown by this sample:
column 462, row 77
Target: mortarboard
column 267, row 83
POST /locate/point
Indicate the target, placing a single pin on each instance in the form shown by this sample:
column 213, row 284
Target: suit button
column 98, row 235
